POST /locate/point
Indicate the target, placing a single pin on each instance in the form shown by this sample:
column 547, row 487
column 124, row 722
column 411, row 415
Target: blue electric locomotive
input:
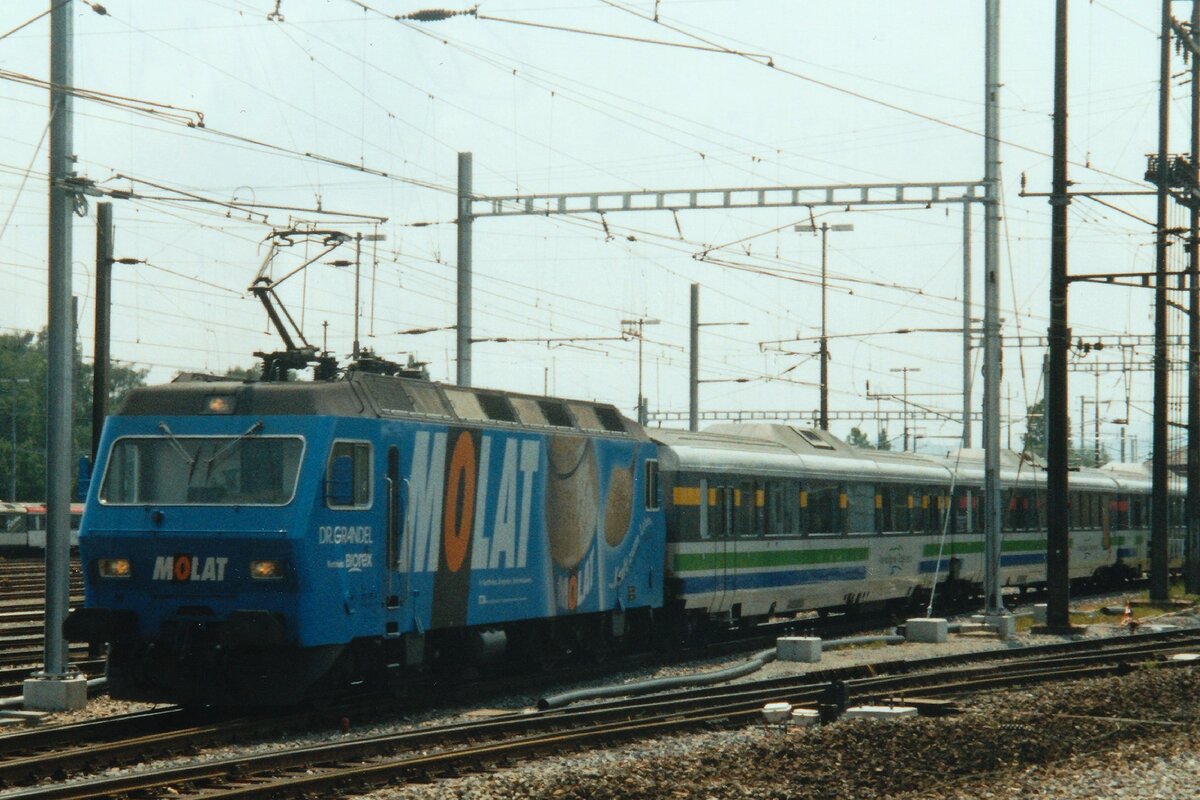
column 257, row 542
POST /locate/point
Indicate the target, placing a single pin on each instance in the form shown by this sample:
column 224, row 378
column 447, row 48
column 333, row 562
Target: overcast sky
column 863, row 91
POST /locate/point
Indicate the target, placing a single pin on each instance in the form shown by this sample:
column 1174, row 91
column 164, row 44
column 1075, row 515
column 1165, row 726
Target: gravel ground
column 1017, row 744
column 1035, row 752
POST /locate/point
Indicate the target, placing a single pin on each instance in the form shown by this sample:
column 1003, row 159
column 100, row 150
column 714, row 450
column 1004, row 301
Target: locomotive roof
column 361, row 394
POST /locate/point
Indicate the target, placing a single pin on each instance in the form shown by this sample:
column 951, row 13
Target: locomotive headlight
column 266, row 570
column 114, row 568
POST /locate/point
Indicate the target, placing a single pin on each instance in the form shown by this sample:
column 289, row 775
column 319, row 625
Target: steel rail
column 518, row 735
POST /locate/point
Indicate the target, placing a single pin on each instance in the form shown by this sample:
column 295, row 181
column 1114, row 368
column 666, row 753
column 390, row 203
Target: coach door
column 726, row 548
column 714, row 545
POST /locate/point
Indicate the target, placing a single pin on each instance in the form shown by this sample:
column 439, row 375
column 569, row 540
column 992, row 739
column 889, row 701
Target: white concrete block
column 1005, row 625
column 1185, row 657
column 805, row 717
column 798, row 648
column 926, row 629
column 879, row 712
column 1039, row 613
column 55, row 694
column 777, row 712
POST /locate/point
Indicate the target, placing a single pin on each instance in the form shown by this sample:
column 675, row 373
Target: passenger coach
column 768, row 519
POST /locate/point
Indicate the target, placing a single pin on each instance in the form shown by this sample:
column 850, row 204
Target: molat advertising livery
column 512, row 526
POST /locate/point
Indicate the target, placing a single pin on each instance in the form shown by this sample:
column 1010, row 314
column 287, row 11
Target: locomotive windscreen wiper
column 174, row 440
column 253, row 429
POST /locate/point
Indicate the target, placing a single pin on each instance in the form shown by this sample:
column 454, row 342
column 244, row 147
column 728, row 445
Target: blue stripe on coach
column 770, row 580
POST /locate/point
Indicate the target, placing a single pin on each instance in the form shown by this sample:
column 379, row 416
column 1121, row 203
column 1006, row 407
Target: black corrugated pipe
column 658, row 684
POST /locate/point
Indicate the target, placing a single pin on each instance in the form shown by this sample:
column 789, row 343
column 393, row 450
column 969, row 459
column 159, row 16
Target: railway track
column 22, row 622
column 427, row 753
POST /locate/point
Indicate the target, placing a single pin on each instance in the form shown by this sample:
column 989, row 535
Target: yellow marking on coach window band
column 843, row 500
column 878, row 501
column 911, row 504
column 686, row 496
column 924, row 501
column 759, row 497
column 804, row 499
column 712, row 497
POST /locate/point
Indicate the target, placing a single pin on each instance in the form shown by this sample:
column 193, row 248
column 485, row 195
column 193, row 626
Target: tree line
column 23, row 396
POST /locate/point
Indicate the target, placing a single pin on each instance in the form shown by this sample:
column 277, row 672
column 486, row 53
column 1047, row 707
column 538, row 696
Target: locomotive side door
column 394, row 596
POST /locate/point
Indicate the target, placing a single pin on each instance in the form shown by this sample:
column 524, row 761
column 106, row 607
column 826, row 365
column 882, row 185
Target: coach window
column 924, row 507
column 720, row 499
column 824, row 508
column 360, row 457
column 738, row 502
column 1011, row 512
column 1137, row 512
column 1118, row 510
column 651, row 485
column 781, row 508
column 861, row 507
column 927, row 519
column 943, row 510
column 900, row 499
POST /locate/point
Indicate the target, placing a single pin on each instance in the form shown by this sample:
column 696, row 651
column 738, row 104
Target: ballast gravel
column 1128, row 737
column 1015, row 744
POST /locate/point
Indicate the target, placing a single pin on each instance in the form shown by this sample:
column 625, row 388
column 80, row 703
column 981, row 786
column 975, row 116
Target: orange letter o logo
column 460, row 488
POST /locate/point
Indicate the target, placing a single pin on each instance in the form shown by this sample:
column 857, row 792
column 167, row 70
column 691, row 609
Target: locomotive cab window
column 651, row 483
column 202, row 470
column 359, row 493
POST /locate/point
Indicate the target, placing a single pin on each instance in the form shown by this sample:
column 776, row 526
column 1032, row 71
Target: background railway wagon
column 796, row 519
column 23, row 527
